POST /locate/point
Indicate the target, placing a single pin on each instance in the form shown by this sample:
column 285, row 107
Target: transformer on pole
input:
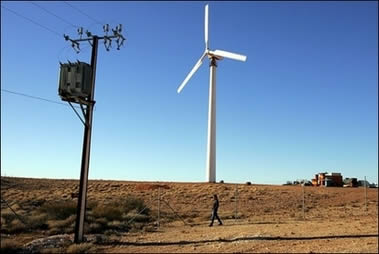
column 77, row 85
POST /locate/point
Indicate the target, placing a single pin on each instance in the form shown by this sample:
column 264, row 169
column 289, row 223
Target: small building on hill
column 350, row 182
column 328, row 180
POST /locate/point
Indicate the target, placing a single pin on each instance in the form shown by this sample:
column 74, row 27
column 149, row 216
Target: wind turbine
column 213, row 56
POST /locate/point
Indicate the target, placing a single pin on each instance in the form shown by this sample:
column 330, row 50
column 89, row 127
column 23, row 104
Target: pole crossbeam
column 107, row 38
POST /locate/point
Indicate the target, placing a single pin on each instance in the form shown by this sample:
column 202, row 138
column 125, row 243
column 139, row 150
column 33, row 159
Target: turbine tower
column 213, row 56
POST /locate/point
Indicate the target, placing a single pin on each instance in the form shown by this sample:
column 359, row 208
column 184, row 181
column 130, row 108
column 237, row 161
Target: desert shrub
column 119, row 226
column 8, row 216
column 111, row 233
column 267, row 210
column 81, row 248
column 55, row 231
column 15, row 207
column 102, row 221
column 114, row 224
column 37, row 221
column 95, row 228
column 114, row 216
column 16, row 226
column 89, row 217
column 132, row 203
column 138, row 217
column 137, row 227
column 149, row 229
column 109, row 212
column 10, row 246
column 62, row 226
column 59, row 210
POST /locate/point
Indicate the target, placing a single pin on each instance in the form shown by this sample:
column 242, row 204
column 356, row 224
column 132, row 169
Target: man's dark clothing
column 214, row 213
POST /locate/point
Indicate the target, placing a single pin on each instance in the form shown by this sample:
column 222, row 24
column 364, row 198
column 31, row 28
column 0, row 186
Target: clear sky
column 305, row 101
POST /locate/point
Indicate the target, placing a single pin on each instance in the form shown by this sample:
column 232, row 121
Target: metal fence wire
column 237, row 205
column 242, row 203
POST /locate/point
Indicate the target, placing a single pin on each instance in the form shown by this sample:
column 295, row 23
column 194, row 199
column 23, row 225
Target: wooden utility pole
column 89, row 102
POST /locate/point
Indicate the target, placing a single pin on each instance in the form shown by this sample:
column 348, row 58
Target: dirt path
column 360, row 235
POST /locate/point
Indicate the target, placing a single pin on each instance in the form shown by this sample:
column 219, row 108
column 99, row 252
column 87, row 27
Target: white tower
column 213, row 57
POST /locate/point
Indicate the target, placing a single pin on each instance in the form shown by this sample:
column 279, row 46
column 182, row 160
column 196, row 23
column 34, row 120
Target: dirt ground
column 357, row 236
column 257, row 218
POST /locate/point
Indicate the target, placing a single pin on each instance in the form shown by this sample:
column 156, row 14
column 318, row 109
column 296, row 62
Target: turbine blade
column 206, row 27
column 230, row 55
column 194, row 69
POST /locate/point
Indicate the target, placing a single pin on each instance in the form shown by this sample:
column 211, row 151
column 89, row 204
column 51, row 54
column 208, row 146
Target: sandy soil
column 300, row 236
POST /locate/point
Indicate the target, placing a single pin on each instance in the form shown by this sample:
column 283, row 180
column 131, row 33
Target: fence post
column 236, row 203
column 365, row 195
column 159, row 205
column 303, row 202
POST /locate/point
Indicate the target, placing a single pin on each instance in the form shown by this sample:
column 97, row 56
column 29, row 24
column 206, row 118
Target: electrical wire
column 34, row 97
column 62, row 19
column 81, row 12
column 30, row 20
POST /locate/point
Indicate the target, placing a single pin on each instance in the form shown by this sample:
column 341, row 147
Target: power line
column 81, row 12
column 34, row 97
column 30, row 20
column 62, row 19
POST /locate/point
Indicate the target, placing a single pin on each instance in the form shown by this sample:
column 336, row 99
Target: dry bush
column 114, row 224
column 8, row 216
column 62, row 226
column 59, row 210
column 94, row 228
column 138, row 217
column 38, row 221
column 81, row 248
column 16, row 226
column 110, row 212
column 132, row 203
column 10, row 246
column 16, row 207
column 115, row 210
column 91, row 204
column 148, row 186
column 101, row 220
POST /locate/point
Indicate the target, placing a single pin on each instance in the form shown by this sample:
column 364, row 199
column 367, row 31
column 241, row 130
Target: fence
column 191, row 204
column 238, row 205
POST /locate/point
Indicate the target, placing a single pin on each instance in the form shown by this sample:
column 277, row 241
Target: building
column 350, row 182
column 327, row 180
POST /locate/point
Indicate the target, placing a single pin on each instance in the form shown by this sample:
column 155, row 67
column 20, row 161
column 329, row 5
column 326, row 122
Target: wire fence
column 236, row 206
column 243, row 204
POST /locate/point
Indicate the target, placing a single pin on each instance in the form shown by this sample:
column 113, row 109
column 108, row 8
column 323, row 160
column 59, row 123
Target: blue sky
column 305, row 101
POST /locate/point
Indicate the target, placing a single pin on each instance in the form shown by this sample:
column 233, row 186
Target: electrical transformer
column 75, row 81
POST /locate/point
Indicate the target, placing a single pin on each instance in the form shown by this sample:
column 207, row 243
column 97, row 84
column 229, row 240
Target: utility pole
column 89, row 102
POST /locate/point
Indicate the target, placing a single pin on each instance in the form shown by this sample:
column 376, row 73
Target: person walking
column 214, row 211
